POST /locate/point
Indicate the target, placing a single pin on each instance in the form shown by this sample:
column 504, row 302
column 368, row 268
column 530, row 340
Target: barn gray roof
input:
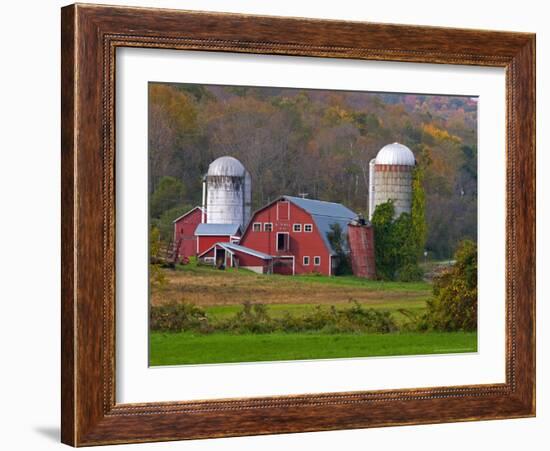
column 246, row 250
column 232, row 247
column 217, row 229
column 324, row 215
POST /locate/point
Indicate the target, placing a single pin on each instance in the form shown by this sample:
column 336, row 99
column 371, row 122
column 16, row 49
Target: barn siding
column 241, row 260
column 184, row 229
column 301, row 243
column 207, row 241
column 249, row 260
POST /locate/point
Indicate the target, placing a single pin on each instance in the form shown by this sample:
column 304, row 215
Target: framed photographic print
column 279, row 225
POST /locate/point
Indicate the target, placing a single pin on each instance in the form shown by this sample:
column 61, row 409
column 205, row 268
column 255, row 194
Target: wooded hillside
column 313, row 141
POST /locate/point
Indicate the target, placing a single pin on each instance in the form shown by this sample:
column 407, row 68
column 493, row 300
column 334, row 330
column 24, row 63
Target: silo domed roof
column 227, row 166
column 397, row 154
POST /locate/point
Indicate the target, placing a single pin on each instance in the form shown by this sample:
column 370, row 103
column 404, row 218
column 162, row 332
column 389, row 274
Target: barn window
column 257, row 227
column 297, row 227
column 308, row 227
column 317, row 261
column 282, row 241
column 306, row 261
column 268, row 227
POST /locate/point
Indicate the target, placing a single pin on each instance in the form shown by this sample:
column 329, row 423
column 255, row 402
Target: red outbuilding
column 184, row 231
column 236, row 256
column 210, row 234
column 294, row 231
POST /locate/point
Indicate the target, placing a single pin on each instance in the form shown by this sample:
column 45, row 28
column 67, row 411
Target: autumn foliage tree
column 454, row 303
column 318, row 142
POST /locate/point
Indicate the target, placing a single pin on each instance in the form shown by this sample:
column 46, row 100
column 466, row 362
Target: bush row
column 255, row 318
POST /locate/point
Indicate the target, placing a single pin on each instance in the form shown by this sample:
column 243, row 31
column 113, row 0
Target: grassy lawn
column 221, row 294
column 188, row 348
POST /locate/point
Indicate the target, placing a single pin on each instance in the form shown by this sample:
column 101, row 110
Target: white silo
column 390, row 177
column 228, row 192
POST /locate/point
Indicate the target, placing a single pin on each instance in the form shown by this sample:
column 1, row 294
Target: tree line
column 316, row 142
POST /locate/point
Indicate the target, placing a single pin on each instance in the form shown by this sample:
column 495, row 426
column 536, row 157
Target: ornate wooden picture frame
column 90, row 37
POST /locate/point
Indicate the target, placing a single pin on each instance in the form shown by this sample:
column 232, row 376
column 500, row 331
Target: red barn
column 184, row 231
column 210, row 234
column 294, row 232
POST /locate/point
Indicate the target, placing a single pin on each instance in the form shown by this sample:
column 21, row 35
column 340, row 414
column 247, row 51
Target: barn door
column 220, row 258
column 283, row 210
column 284, row 266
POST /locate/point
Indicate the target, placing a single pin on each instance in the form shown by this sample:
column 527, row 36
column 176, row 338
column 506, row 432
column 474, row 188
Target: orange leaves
column 178, row 107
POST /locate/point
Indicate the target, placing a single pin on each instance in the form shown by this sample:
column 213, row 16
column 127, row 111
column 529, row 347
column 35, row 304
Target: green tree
column 168, row 194
column 395, row 245
column 470, row 161
column 454, row 304
column 382, row 221
column 165, row 223
column 418, row 210
column 405, row 249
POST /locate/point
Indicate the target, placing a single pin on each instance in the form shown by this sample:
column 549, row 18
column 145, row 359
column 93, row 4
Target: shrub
column 178, row 318
column 355, row 319
column 368, row 320
column 255, row 318
column 411, row 272
column 156, row 276
column 454, row 304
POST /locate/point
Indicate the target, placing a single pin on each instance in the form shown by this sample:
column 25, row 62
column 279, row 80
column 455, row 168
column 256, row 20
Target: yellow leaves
column 336, row 114
column 154, row 241
column 179, row 107
column 157, row 278
column 439, row 134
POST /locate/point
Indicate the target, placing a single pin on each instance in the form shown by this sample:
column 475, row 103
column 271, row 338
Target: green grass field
column 221, row 294
column 188, row 348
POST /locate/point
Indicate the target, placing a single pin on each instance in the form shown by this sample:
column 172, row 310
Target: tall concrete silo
column 390, row 177
column 227, row 188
